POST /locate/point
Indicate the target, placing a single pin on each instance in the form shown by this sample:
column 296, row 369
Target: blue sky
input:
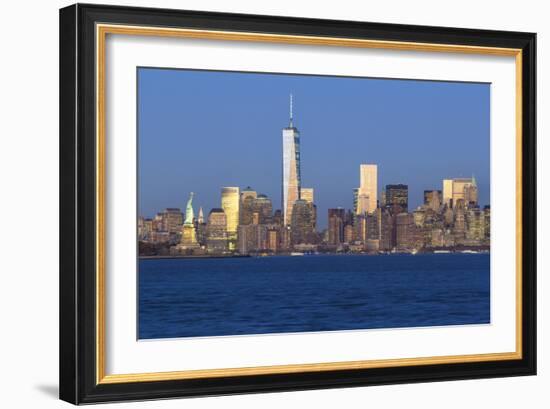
column 202, row 130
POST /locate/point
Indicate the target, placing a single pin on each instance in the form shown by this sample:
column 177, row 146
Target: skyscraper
column 245, row 212
column 368, row 188
column 291, row 169
column 230, row 204
column 171, row 220
column 216, row 231
column 336, row 226
column 262, row 209
column 303, row 222
column 432, row 199
column 460, row 189
column 405, row 231
column 397, row 198
column 447, row 191
column 306, row 193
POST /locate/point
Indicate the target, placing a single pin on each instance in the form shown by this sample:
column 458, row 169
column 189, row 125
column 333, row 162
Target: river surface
column 234, row 296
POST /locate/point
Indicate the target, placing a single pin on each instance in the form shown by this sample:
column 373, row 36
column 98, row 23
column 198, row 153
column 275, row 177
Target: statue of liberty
column 188, row 234
column 189, row 213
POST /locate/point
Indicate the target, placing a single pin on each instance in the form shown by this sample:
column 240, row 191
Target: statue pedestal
column 188, row 238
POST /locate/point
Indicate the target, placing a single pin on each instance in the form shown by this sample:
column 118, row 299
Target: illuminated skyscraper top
column 367, row 194
column 291, row 167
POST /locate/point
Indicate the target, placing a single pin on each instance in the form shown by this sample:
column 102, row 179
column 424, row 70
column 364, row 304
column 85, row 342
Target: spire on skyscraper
column 290, row 126
column 291, row 167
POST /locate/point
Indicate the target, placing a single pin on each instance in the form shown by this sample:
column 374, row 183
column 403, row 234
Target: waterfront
column 263, row 295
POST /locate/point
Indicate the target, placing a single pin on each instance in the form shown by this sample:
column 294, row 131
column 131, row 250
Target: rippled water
column 230, row 296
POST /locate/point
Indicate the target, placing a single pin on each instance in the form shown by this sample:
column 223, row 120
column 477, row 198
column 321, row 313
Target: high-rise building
column 405, row 231
column 307, row 194
column 448, row 192
column 368, row 187
column 361, row 228
column 397, row 198
column 475, row 226
column 273, row 240
column 172, row 220
column 230, row 204
column 470, row 195
column 216, row 231
column 460, row 189
column 252, row 237
column 336, row 226
column 459, row 226
column 302, row 227
column 432, row 199
column 262, row 209
column 373, row 228
column 291, row 168
column 245, row 212
column 387, row 230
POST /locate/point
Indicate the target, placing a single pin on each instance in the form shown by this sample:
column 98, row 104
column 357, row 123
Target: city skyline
column 173, row 177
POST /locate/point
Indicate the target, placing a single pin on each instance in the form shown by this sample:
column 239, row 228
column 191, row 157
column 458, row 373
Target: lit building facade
column 291, row 169
column 230, row 203
column 456, row 189
column 447, row 192
column 216, row 232
column 307, row 194
column 367, row 199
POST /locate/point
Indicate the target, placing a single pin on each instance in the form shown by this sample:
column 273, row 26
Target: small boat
column 295, row 253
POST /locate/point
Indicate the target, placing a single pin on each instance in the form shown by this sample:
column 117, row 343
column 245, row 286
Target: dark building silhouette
column 336, row 226
column 397, row 198
column 302, row 226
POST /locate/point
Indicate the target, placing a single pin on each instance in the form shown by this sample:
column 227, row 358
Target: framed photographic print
column 257, row 203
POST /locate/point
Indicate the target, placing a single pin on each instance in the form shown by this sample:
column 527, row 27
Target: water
column 231, row 296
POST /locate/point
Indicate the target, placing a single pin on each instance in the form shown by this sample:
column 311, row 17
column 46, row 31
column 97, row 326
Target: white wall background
column 29, row 203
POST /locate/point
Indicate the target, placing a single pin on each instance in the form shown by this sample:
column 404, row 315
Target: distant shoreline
column 195, row 256
column 168, row 257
